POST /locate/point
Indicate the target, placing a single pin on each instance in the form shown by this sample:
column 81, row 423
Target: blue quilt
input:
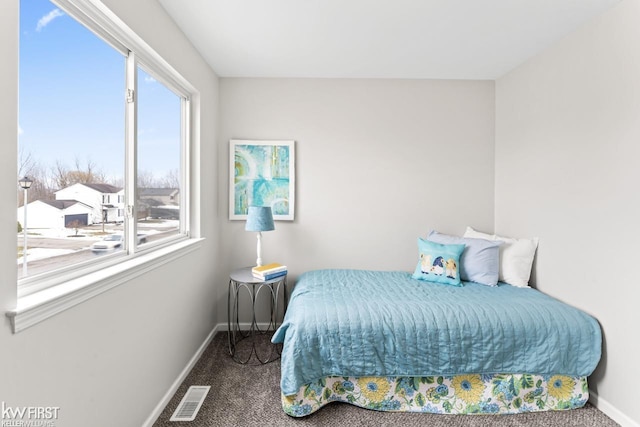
column 370, row 323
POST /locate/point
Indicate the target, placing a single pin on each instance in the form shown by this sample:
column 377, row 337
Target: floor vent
column 190, row 403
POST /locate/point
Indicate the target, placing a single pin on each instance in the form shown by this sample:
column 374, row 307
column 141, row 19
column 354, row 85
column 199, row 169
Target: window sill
column 36, row 307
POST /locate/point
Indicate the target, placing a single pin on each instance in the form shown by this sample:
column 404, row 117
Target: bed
column 386, row 341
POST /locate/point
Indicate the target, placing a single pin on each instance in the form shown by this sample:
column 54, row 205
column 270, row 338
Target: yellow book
column 274, row 267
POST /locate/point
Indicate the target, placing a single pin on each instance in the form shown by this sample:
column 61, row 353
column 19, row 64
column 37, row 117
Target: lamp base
column 259, row 250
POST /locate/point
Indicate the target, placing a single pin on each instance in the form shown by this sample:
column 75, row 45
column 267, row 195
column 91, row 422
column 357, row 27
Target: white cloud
column 46, row 19
column 20, row 131
column 149, row 79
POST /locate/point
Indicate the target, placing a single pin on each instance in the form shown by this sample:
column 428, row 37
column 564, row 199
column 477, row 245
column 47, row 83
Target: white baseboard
column 611, row 411
column 220, row 327
column 157, row 411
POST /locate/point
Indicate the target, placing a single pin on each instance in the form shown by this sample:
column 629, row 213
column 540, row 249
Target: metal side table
column 243, row 279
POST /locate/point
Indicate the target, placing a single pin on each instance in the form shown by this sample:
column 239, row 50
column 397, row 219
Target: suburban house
column 106, row 201
column 81, row 204
column 389, row 145
column 159, row 203
column 88, row 204
column 160, row 196
column 56, row 214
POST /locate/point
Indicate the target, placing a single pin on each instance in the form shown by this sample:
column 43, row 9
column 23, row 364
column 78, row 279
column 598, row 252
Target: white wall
column 567, row 150
column 378, row 162
column 109, row 361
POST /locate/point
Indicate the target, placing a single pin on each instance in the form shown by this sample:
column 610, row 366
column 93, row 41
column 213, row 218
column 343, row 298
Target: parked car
column 113, row 242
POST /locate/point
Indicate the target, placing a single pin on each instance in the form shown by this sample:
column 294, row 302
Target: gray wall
column 567, row 150
column 379, row 163
column 109, row 361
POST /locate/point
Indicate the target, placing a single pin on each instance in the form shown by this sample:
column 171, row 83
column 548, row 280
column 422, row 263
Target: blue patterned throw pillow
column 438, row 263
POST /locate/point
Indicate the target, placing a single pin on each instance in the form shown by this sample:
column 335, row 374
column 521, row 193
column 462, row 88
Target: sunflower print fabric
column 458, row 394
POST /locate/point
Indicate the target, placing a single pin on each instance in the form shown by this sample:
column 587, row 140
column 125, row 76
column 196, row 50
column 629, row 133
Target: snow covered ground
column 40, row 253
column 86, row 235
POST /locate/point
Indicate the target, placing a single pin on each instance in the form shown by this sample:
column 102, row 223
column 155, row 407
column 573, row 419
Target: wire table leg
column 235, row 332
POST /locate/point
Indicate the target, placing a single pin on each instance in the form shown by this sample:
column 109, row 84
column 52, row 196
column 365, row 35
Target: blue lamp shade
column 260, row 218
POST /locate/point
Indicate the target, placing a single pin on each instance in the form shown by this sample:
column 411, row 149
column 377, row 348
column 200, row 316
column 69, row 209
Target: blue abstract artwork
column 262, row 174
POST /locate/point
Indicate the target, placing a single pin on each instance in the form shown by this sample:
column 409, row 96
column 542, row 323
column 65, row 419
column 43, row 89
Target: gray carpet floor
column 249, row 395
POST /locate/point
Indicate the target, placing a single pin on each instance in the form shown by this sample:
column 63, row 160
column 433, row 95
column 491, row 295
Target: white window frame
column 46, row 294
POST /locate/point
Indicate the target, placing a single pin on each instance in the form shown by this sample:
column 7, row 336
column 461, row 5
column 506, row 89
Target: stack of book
column 269, row 271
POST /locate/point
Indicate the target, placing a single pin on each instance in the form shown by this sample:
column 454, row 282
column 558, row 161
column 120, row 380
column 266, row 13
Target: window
column 159, row 156
column 104, row 136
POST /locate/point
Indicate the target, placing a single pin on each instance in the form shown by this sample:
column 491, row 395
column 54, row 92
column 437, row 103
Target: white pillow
column 516, row 257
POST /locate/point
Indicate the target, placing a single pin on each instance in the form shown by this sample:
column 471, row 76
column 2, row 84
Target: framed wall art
column 262, row 173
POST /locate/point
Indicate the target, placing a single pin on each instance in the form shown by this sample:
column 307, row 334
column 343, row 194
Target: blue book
column 270, row 276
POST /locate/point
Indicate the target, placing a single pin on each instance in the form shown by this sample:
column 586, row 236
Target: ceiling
column 435, row 39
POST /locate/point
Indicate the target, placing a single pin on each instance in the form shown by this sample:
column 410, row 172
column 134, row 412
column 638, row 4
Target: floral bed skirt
column 458, row 394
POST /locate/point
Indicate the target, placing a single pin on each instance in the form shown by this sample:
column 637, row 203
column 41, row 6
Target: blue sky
column 71, row 99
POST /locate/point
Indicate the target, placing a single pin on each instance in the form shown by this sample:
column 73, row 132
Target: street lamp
column 25, row 183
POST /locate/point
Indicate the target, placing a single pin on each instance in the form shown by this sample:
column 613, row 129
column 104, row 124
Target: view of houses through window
column 73, row 149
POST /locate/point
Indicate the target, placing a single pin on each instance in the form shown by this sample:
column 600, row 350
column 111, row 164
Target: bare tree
column 115, row 181
column 75, row 224
column 29, row 166
column 26, row 162
column 41, row 188
column 170, row 180
column 88, row 174
column 146, row 179
column 47, row 181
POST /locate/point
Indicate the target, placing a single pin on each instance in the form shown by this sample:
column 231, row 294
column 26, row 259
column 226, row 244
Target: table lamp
column 259, row 219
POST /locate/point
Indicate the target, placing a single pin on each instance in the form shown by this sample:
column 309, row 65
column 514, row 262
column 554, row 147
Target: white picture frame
column 262, row 173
